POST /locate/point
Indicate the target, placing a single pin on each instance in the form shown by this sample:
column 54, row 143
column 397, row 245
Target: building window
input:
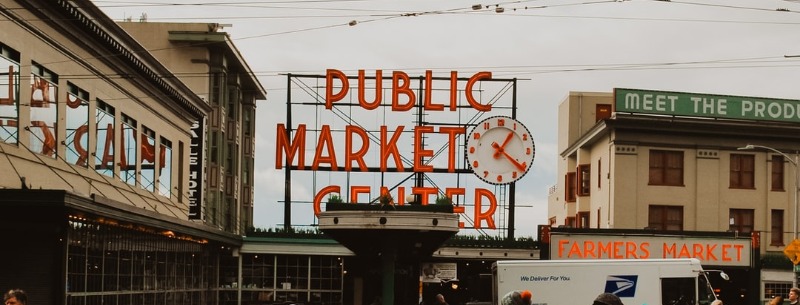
column 776, row 229
column 128, row 148
column 569, row 187
column 247, row 121
column 148, row 171
column 666, row 167
column 602, row 111
column 598, row 218
column 599, row 178
column 165, row 168
column 9, row 95
column 777, row 173
column 774, row 289
column 584, row 179
column 741, row 220
column 104, row 152
column 742, row 171
column 569, row 222
column 665, row 217
column 77, row 137
column 583, row 219
column 44, row 111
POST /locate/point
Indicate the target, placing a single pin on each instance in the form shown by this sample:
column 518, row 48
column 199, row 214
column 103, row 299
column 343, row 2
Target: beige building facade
column 95, row 146
column 205, row 58
column 675, row 161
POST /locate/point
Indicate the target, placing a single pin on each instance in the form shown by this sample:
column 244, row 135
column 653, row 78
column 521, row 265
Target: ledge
column 432, row 208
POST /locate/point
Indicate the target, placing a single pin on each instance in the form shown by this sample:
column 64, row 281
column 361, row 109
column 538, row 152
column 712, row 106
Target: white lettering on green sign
column 706, row 105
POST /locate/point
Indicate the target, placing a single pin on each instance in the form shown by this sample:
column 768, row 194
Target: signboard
column 710, row 251
column 371, row 124
column 196, row 161
column 792, row 251
column 438, row 272
column 706, row 105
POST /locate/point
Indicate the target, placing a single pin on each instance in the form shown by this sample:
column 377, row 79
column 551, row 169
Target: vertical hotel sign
column 196, row 148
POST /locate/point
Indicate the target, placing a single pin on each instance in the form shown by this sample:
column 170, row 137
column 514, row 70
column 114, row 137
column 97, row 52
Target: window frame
column 664, row 223
column 662, row 167
column 570, row 187
column 738, row 220
column 742, row 166
column 584, row 180
column 776, row 228
column 777, row 173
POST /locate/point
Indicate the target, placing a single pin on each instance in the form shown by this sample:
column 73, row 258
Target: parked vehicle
column 650, row 281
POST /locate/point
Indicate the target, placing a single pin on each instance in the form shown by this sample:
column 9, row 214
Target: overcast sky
column 554, row 46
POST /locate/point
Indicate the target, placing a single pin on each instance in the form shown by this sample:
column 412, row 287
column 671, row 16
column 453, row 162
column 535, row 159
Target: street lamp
column 796, row 177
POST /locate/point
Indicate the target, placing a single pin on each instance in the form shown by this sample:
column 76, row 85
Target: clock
column 500, row 150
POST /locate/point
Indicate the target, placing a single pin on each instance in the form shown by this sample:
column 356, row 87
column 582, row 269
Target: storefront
column 728, row 252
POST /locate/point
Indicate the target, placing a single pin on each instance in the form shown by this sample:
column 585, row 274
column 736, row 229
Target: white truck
column 635, row 281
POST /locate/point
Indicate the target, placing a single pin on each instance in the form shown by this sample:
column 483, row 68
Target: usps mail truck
column 636, row 282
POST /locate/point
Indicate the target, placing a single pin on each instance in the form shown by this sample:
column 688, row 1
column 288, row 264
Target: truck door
column 679, row 291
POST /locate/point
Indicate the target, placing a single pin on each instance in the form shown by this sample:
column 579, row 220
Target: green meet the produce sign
column 706, row 105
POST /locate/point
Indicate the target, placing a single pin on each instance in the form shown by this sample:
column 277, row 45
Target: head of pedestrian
column 15, row 297
column 607, row 299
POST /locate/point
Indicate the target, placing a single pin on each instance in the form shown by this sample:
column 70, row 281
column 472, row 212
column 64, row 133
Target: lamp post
column 794, row 162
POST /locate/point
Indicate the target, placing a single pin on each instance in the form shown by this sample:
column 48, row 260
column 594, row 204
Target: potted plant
column 335, row 199
column 443, row 200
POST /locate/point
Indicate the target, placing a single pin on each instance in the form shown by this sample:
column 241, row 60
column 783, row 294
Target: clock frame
column 500, row 150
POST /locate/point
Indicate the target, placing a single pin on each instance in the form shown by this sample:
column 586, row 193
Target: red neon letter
column 298, row 145
column 429, row 105
column 420, row 153
column 452, row 132
column 451, row 193
column 424, row 193
column 318, row 198
column 358, row 156
column 468, row 91
column 355, row 190
column 397, row 76
column 362, row 88
column 489, row 215
column 326, row 142
column 453, row 90
column 390, row 148
column 330, row 97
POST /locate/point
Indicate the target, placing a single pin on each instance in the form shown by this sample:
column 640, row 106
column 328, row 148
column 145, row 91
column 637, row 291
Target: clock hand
column 519, row 166
column 501, row 147
column 497, row 150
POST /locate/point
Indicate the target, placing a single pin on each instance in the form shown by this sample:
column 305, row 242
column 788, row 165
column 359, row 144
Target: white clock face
column 500, row 150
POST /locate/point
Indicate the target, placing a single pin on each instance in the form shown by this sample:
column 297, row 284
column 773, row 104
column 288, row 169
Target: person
column 440, row 300
column 607, row 299
column 517, row 298
column 15, row 297
column 794, row 294
column 778, row 300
